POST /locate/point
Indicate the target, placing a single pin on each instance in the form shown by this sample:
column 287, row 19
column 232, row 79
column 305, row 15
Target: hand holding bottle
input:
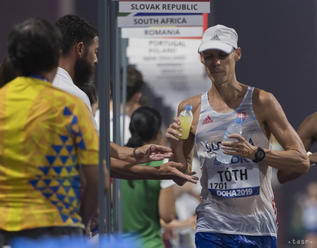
column 186, row 118
column 233, row 128
column 180, row 128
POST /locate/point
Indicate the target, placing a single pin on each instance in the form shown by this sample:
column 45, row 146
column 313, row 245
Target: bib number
column 234, row 180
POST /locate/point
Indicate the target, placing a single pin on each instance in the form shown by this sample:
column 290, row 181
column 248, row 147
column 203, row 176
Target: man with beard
column 76, row 63
column 76, row 66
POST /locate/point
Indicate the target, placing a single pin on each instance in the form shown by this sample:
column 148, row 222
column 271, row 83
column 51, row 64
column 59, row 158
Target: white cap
column 219, row 37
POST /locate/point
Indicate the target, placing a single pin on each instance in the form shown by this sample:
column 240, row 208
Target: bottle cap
column 188, row 107
column 241, row 116
column 239, row 120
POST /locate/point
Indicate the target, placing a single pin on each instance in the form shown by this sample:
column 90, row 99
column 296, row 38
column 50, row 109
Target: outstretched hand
column 240, row 147
column 173, row 170
column 152, row 152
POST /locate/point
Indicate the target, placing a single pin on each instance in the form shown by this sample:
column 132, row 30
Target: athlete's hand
column 151, row 152
column 174, row 131
column 241, row 147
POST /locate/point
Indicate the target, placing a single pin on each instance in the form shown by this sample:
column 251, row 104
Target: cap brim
column 214, row 44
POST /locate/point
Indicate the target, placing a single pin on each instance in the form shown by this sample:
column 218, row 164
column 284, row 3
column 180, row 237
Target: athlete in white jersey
column 237, row 208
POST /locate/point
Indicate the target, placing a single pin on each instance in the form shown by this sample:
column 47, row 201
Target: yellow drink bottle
column 186, row 118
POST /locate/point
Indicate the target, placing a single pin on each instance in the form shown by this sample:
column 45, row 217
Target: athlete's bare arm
column 307, row 131
column 184, row 149
column 143, row 154
column 291, row 162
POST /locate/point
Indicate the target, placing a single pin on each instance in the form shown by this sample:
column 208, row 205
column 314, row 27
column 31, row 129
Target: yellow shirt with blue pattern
column 45, row 134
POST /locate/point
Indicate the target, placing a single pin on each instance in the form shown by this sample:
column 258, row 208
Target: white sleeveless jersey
column 237, row 198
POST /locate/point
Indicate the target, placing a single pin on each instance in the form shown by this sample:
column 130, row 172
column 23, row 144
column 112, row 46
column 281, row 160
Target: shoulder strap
column 250, row 94
column 204, row 102
column 247, row 100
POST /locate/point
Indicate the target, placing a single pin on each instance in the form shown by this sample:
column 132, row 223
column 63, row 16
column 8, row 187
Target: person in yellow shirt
column 43, row 140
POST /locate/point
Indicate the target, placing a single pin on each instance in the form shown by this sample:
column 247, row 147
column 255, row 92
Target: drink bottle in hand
column 186, row 118
column 235, row 127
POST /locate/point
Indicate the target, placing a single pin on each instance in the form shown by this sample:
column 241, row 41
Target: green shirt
column 140, row 213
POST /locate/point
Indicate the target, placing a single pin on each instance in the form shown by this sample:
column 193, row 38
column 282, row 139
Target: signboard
column 136, row 20
column 164, row 32
column 171, row 67
column 153, row 49
column 166, row 6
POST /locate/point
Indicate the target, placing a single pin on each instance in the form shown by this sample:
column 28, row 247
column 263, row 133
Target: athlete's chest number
column 218, row 185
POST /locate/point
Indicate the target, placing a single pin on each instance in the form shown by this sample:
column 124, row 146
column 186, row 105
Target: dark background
column 278, row 41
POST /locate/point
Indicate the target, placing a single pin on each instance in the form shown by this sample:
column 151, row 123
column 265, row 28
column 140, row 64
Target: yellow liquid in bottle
column 186, row 122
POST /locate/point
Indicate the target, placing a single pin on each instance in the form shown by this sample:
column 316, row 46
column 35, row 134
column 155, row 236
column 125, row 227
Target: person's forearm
column 124, row 170
column 167, row 204
column 122, row 152
column 180, row 157
column 137, row 172
column 175, row 224
column 89, row 202
column 169, row 170
column 293, row 161
column 285, row 176
column 178, row 152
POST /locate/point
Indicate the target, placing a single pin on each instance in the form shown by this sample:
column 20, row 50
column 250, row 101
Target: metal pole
column 118, row 181
column 103, row 80
column 124, row 64
column 115, row 79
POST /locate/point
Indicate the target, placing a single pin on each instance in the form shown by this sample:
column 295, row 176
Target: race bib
column 241, row 178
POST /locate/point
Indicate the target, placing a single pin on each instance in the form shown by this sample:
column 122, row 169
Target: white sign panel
column 202, row 6
column 151, row 49
column 171, row 67
column 156, row 32
column 147, row 20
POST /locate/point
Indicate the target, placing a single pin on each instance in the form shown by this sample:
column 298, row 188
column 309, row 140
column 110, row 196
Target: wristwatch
column 259, row 155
